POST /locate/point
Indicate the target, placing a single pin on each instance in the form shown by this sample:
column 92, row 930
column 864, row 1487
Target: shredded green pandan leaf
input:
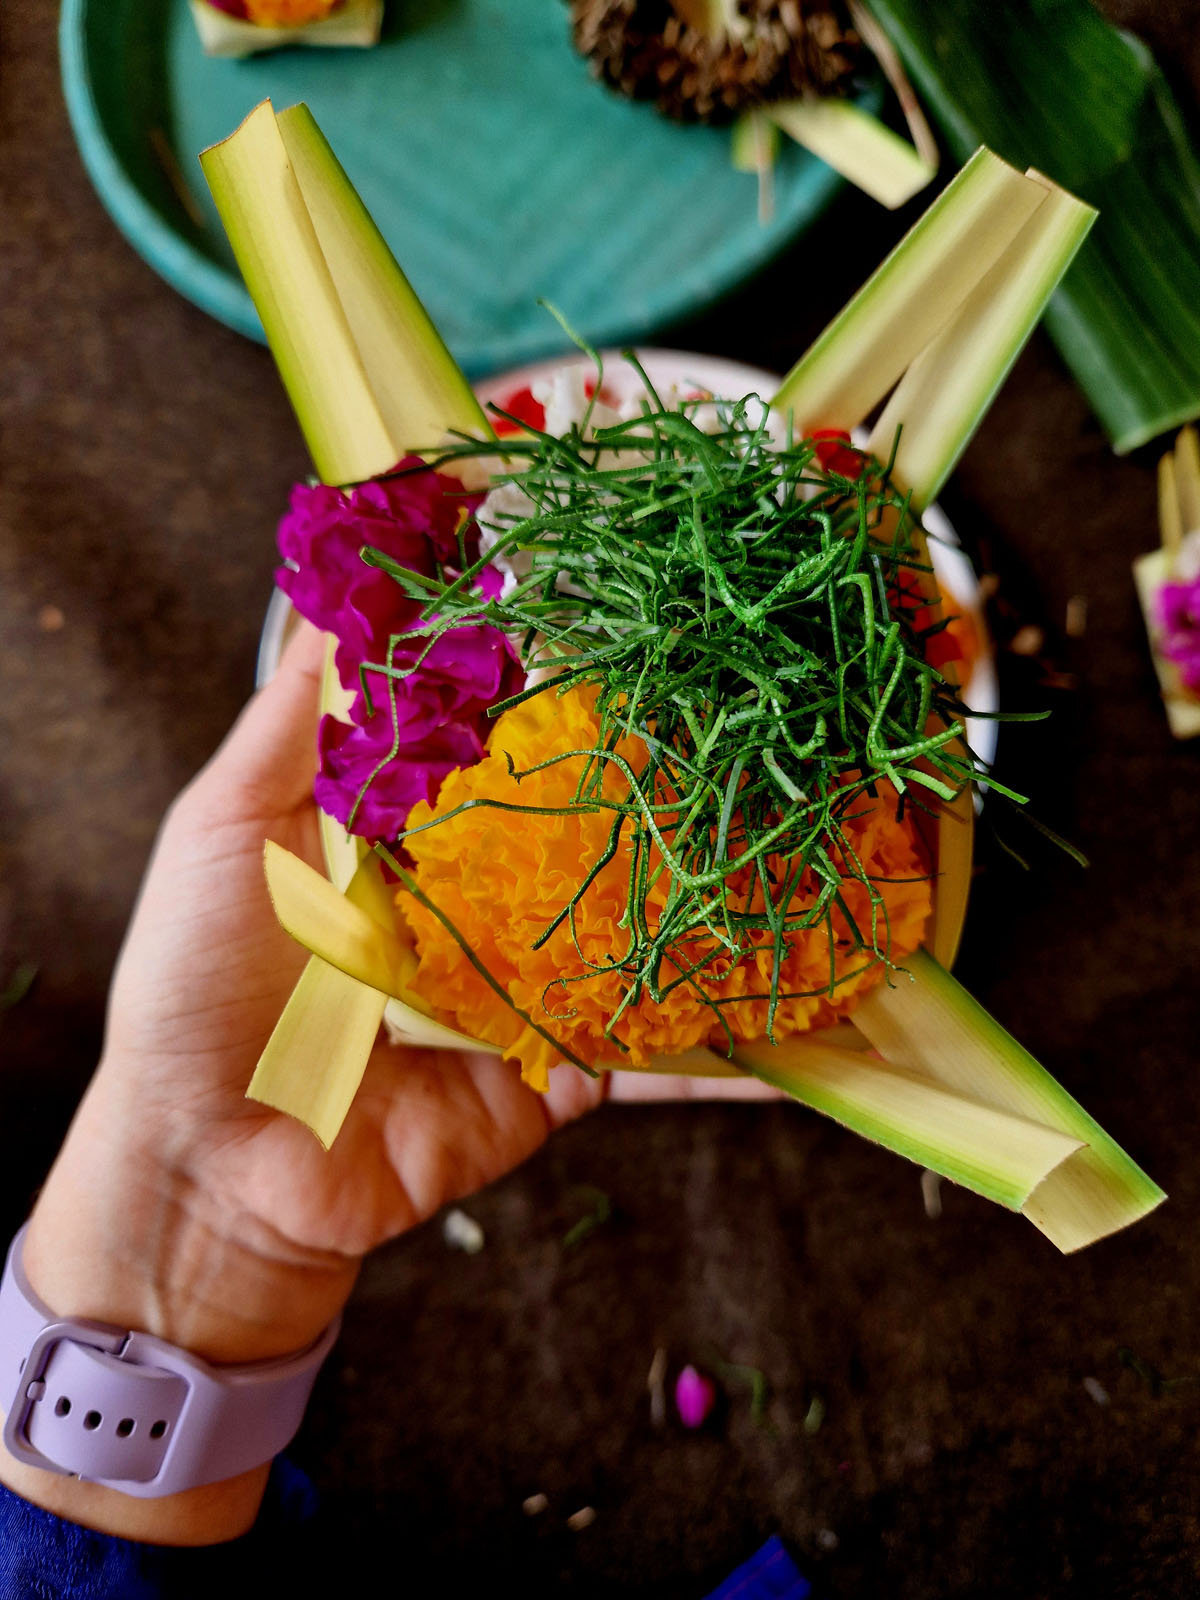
column 744, row 613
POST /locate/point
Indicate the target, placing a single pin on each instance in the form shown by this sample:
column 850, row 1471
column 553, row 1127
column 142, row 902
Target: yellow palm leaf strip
column 315, row 1059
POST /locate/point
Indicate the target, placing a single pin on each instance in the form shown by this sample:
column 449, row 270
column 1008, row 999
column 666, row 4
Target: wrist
column 169, row 1265
column 211, row 1514
column 130, row 1233
column 123, row 1235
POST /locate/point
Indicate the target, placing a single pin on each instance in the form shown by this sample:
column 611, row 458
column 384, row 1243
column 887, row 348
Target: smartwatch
column 117, row 1407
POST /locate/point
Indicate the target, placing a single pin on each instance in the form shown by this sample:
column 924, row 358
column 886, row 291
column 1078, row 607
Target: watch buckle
column 92, row 1335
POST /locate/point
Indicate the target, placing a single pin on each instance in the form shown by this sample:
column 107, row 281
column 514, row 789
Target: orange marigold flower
column 502, row 878
column 288, row 13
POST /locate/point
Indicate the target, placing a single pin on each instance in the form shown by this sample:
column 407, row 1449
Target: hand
column 180, row 1207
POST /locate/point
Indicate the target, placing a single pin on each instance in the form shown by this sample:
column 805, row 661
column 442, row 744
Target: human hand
column 180, row 1207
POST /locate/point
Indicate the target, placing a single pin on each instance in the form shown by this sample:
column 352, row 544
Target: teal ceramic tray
column 497, row 169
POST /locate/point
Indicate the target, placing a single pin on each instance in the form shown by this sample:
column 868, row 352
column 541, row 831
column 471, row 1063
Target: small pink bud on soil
column 694, row 1397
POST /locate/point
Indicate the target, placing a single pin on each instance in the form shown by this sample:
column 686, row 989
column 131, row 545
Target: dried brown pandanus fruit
column 779, row 50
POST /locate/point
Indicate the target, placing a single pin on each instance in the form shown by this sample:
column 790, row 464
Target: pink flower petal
column 1179, row 620
column 695, row 1396
column 402, row 741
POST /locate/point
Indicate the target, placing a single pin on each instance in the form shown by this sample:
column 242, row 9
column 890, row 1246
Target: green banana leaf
column 1050, row 84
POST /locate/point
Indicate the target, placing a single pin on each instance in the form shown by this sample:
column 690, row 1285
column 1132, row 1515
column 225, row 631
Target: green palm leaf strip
column 999, row 1155
column 947, row 312
column 370, row 380
column 1052, row 85
column 927, row 1022
column 368, row 374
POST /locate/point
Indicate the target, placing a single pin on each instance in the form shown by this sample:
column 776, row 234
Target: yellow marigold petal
column 288, row 13
column 536, row 1057
column 501, row 878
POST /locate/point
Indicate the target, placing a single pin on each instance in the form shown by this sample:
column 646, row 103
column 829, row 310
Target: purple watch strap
column 130, row 1411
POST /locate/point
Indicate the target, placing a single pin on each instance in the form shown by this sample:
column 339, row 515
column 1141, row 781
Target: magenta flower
column 1179, row 620
column 413, row 519
column 399, row 745
column 375, row 769
column 695, row 1396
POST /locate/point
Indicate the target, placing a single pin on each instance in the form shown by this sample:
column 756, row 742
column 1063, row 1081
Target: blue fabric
column 44, row 1558
column 769, row 1575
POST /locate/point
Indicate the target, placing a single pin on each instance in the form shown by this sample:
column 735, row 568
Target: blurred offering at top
column 709, row 59
column 768, row 66
column 245, row 27
column 474, row 134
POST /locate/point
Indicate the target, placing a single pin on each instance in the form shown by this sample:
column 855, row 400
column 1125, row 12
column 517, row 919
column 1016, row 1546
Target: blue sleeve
column 769, row 1575
column 43, row 1557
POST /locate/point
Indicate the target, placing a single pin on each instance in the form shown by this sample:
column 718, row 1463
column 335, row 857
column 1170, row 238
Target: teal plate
column 497, row 169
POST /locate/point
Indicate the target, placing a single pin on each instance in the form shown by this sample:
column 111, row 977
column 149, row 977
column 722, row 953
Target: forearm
column 121, row 1234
